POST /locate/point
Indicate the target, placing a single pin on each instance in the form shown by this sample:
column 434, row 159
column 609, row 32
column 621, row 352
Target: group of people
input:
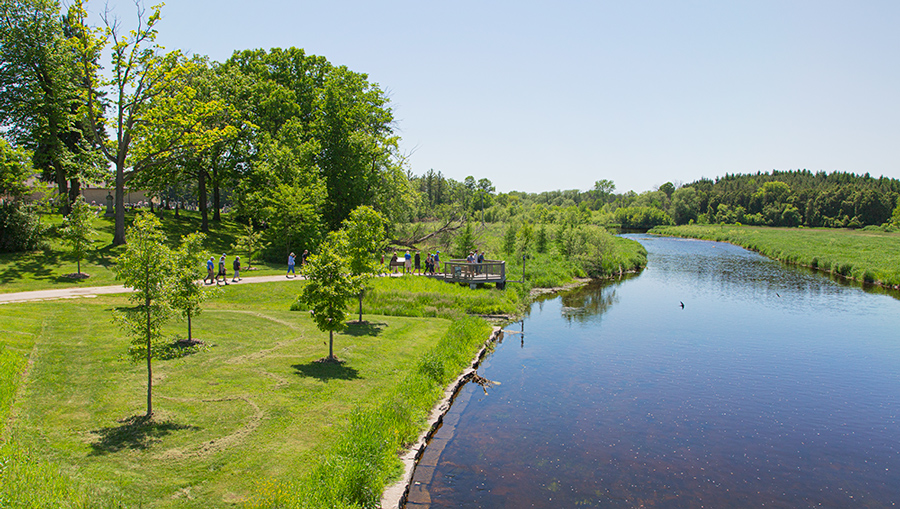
column 292, row 261
column 212, row 277
column 412, row 264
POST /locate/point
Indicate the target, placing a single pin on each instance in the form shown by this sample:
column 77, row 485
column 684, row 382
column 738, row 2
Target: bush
column 20, row 228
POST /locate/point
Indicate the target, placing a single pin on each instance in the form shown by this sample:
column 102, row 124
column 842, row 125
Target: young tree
column 329, row 287
column 365, row 229
column 186, row 294
column 146, row 266
column 250, row 242
column 77, row 229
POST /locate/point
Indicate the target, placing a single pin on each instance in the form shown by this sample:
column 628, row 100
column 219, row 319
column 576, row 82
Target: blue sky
column 538, row 96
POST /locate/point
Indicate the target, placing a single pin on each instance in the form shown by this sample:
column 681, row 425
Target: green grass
column 425, row 297
column 250, row 411
column 48, row 268
column 869, row 256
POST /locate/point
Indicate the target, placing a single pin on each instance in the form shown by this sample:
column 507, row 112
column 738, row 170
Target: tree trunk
column 360, row 305
column 74, row 191
column 119, row 236
column 331, row 344
column 217, row 200
column 204, row 223
column 62, row 188
column 149, row 367
column 189, row 325
column 79, row 265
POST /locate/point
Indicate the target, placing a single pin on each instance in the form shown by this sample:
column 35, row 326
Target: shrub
column 20, row 228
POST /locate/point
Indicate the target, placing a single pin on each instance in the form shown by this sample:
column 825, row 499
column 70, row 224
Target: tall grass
column 430, row 298
column 354, row 472
column 869, row 256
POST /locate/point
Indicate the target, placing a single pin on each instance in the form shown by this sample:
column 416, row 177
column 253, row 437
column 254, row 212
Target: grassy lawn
column 48, row 268
column 871, row 256
column 249, row 411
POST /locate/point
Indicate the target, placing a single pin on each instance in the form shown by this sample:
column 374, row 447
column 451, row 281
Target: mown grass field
column 249, row 420
column 48, row 268
column 869, row 256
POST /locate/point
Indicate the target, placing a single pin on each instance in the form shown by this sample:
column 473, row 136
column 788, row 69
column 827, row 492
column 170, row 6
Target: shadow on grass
column 135, row 433
column 325, row 371
column 365, row 328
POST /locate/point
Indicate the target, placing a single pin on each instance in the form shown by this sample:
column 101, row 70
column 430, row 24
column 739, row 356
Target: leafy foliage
column 20, row 228
column 329, row 287
column 78, row 229
column 146, row 265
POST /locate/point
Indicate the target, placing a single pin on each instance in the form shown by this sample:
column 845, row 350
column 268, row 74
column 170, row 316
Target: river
column 715, row 378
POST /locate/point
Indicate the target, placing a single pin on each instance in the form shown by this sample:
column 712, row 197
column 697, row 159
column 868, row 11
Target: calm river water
column 772, row 386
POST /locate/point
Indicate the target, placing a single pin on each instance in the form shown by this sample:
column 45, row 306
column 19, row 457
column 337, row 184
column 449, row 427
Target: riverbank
column 866, row 256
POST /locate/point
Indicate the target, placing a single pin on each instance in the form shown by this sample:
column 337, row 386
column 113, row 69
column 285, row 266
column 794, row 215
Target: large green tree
column 39, row 99
column 150, row 105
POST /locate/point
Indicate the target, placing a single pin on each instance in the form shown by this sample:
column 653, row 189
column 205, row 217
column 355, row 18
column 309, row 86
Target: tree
column 146, row 266
column 365, row 230
column 154, row 110
column 328, row 288
column 14, row 170
column 186, row 294
column 250, row 242
column 685, row 205
column 77, row 229
column 39, row 99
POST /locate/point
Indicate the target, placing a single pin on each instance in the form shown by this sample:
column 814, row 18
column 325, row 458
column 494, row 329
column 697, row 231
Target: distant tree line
column 779, row 198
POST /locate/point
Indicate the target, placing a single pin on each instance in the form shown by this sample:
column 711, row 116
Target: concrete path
column 93, row 291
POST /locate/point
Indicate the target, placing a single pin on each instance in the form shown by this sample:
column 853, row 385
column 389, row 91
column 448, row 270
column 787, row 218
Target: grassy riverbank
column 863, row 255
column 251, row 419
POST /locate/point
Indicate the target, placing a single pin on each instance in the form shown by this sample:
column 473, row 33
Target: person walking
column 407, row 263
column 418, row 262
column 237, row 270
column 210, row 268
column 303, row 258
column 291, row 262
column 222, row 272
column 437, row 262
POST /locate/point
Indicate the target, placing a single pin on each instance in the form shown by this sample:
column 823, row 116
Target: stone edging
column 395, row 495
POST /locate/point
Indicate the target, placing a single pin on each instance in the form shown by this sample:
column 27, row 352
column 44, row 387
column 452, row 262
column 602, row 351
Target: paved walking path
column 93, row 291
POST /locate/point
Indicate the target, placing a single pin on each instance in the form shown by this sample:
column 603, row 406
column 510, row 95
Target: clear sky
column 538, row 96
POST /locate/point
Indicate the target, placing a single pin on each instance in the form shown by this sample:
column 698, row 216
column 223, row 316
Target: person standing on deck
column 407, row 263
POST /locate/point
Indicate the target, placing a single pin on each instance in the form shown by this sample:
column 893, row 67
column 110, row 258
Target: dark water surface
column 772, row 387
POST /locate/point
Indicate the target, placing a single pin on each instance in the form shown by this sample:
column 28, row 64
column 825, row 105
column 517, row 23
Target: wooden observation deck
column 461, row 271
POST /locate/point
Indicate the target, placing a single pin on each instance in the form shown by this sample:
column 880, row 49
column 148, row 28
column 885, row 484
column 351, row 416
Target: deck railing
column 461, row 271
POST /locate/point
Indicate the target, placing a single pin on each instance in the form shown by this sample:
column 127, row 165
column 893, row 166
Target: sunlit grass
column 870, row 256
column 251, row 409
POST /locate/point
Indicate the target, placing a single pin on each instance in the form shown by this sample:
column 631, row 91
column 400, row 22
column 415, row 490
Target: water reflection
column 771, row 386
